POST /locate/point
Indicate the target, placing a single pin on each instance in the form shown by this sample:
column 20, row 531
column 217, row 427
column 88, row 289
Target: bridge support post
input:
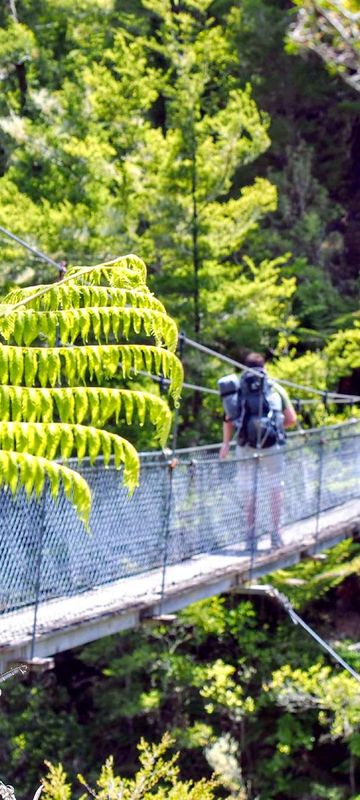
column 319, row 492
column 167, row 515
column 253, row 512
column 40, row 538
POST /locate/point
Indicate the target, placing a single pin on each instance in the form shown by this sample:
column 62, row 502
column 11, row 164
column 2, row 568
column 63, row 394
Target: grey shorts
column 269, row 464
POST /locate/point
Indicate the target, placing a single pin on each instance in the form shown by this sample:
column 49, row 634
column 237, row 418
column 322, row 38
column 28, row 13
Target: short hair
column 255, row 360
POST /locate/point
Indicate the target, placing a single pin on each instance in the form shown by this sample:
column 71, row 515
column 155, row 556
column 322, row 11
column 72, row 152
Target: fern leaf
column 16, row 366
column 52, row 439
column 42, row 371
column 107, row 301
column 96, row 323
column 32, row 471
column 125, row 321
column 27, row 473
column 72, row 295
column 66, row 321
column 9, row 471
column 65, row 403
column 67, row 441
column 78, row 322
column 43, row 403
column 106, row 323
column 106, row 449
column 16, row 403
column 81, row 405
column 68, row 359
column 141, row 408
column 138, row 363
column 55, row 440
column 4, row 365
column 129, row 406
column 7, row 321
column 85, row 318
column 94, row 445
column 19, row 332
column 30, row 366
column 81, row 440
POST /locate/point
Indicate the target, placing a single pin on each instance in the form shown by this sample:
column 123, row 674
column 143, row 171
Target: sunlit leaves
column 63, row 440
column 55, row 398
column 32, row 473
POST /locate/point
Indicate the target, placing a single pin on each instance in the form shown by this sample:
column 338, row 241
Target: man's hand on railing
column 224, row 451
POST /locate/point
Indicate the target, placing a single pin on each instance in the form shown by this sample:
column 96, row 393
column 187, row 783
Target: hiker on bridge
column 259, row 410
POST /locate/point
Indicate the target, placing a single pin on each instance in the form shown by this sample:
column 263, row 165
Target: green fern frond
column 59, row 440
column 108, row 302
column 32, row 472
column 71, row 295
column 29, row 404
column 126, row 271
column 78, row 364
column 7, row 320
column 72, row 324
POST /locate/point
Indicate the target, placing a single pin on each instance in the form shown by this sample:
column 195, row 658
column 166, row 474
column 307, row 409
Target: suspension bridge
column 183, row 536
column 196, row 526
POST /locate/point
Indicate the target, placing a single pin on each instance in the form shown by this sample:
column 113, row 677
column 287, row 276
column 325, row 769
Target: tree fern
column 31, row 472
column 51, row 440
column 73, row 295
column 101, row 322
column 58, row 339
column 25, row 365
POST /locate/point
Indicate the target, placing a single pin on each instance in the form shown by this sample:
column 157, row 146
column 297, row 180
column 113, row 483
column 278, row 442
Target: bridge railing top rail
column 206, row 452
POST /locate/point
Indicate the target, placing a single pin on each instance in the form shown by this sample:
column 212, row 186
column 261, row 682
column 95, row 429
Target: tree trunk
column 195, row 241
column 13, row 11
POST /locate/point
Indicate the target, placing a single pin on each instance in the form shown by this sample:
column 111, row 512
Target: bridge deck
column 68, row 622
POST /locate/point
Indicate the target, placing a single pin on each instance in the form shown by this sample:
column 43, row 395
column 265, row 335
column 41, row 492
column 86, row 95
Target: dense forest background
column 201, row 137
column 241, row 690
column 205, row 138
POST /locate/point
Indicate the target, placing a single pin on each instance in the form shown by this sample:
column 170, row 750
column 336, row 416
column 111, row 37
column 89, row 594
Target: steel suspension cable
column 284, row 601
column 209, row 390
column 310, row 389
column 30, row 248
column 332, row 396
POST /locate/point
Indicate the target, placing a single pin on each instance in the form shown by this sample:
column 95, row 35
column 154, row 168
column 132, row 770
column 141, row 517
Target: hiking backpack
column 247, row 403
column 260, row 425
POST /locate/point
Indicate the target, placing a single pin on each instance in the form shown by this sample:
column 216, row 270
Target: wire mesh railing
column 193, row 506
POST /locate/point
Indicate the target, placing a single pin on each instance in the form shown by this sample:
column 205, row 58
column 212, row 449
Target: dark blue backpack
column 259, row 425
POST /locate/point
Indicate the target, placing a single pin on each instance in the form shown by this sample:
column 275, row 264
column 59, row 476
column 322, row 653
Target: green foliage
column 33, row 471
column 314, row 578
column 158, row 777
column 255, row 304
column 51, row 440
column 24, row 365
column 134, row 128
column 41, row 417
column 342, row 351
column 141, row 129
column 236, row 685
column 55, row 784
column 164, row 190
column 330, row 29
column 336, row 697
column 220, row 689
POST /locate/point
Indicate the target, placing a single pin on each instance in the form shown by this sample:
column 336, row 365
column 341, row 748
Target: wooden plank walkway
column 69, row 622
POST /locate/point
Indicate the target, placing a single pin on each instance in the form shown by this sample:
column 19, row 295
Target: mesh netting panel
column 21, row 525
column 206, row 512
column 125, row 533
column 45, row 551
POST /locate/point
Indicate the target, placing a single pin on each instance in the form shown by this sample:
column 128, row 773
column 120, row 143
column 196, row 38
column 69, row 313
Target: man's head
column 255, row 361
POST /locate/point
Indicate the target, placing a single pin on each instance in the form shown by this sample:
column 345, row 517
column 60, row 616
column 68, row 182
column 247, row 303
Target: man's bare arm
column 228, row 431
column 290, row 417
